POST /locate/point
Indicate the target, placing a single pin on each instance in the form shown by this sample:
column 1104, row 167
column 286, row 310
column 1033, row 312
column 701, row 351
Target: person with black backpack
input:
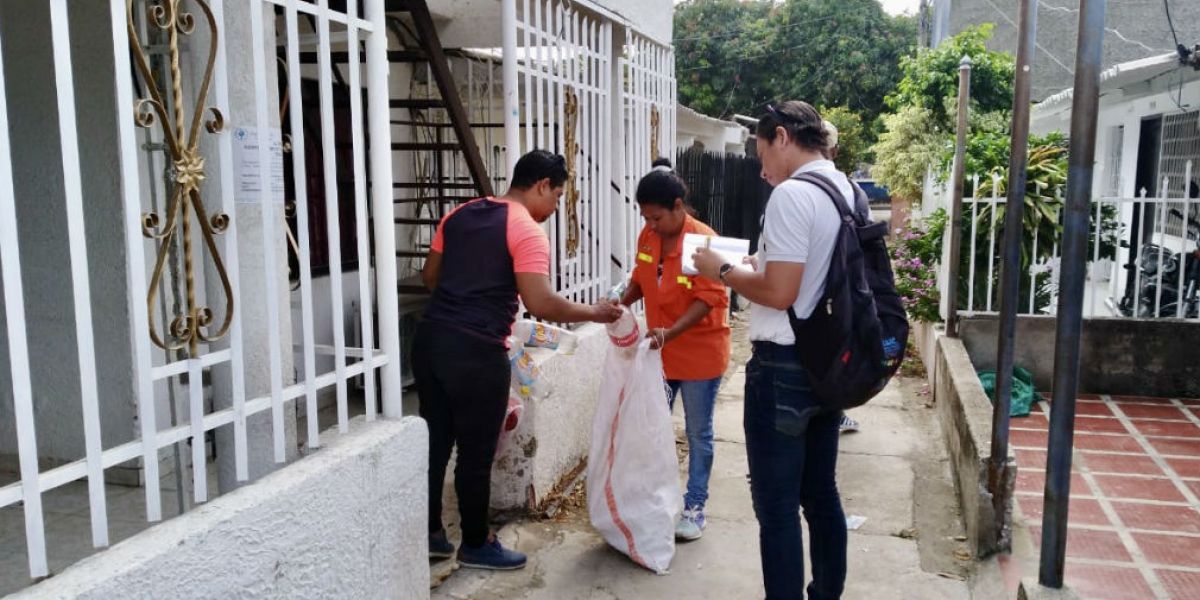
column 826, row 337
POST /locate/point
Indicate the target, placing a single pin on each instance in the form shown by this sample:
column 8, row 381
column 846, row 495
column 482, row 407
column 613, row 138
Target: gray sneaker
column 691, row 524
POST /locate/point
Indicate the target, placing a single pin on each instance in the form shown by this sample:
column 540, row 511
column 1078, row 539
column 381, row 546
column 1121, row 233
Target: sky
column 895, row 7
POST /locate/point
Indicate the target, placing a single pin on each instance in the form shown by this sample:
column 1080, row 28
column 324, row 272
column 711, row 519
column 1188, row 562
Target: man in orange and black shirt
column 485, row 254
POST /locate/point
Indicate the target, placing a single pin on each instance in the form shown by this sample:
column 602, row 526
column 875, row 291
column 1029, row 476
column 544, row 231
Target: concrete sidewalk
column 893, row 472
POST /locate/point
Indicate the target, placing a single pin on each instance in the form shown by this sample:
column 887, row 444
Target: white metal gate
column 203, row 223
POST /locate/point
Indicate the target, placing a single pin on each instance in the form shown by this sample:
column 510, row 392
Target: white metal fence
column 648, row 100
column 205, row 224
column 565, row 78
column 1143, row 254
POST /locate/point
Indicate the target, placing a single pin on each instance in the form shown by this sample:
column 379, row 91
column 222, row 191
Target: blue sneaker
column 691, row 524
column 491, row 555
column 439, row 546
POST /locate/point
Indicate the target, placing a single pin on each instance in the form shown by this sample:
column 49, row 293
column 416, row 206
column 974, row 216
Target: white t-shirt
column 800, row 226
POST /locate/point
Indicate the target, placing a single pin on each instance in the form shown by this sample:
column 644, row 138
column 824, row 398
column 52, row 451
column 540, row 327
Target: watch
column 725, row 269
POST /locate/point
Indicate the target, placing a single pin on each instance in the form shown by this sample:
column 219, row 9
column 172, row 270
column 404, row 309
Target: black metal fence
column 726, row 191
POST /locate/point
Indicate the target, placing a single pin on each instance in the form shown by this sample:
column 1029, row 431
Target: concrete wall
column 555, row 432
column 1151, row 357
column 966, row 416
column 346, row 522
column 1136, row 29
column 41, row 214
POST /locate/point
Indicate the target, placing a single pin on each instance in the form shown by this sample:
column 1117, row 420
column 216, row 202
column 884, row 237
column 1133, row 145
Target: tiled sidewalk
column 1135, row 495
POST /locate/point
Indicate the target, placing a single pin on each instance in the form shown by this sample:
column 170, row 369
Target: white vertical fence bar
column 195, row 387
column 1097, row 232
column 991, row 268
column 1182, row 284
column 1033, row 258
column 514, row 153
column 135, row 267
column 266, row 201
column 237, row 363
column 18, row 351
column 1160, row 209
column 378, row 120
column 1137, row 253
column 606, row 151
column 300, row 184
column 80, row 279
column 972, row 266
column 358, row 145
column 328, row 141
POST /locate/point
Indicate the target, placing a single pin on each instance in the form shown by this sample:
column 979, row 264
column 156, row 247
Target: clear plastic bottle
column 624, row 332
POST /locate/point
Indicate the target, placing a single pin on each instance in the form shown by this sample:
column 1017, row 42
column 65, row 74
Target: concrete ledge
column 554, row 434
column 349, row 521
column 1163, row 365
column 925, row 337
column 1032, row 590
column 966, row 415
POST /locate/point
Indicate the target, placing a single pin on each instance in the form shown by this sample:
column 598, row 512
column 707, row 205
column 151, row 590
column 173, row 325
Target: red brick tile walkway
column 1134, row 528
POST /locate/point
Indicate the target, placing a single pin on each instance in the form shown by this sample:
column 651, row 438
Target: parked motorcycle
column 1179, row 270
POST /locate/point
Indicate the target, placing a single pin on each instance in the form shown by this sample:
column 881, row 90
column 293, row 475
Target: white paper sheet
column 734, row 250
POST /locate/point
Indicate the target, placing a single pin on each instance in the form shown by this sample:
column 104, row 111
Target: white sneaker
column 847, row 425
column 691, row 524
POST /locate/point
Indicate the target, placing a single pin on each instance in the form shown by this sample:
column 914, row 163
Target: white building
column 1147, row 159
column 188, row 311
column 696, row 130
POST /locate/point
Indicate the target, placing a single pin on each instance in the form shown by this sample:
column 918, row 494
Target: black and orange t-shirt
column 484, row 244
column 701, row 352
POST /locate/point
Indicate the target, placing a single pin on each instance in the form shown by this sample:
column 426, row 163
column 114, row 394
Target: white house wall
column 37, row 166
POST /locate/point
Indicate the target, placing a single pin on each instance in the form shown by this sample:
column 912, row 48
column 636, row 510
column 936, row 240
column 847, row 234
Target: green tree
column 930, row 77
column 734, row 56
column 909, row 145
column 852, row 141
column 719, row 45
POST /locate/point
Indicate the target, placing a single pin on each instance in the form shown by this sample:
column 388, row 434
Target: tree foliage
column 930, row 77
column 734, row 56
column 852, row 141
column 908, row 146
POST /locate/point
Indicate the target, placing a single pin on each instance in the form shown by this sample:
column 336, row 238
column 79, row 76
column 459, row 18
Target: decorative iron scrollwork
column 655, row 120
column 571, row 112
column 185, row 172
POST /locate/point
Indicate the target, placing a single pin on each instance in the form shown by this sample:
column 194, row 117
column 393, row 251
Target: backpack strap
column 835, row 195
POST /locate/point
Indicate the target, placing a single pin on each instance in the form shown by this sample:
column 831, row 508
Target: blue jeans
column 699, row 402
column 792, row 446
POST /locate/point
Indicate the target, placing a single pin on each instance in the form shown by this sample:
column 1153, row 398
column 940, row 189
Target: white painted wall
column 41, row 214
column 554, row 432
column 474, row 23
column 347, row 522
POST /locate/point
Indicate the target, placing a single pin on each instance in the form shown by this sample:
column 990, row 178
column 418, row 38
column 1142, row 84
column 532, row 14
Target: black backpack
column 854, row 341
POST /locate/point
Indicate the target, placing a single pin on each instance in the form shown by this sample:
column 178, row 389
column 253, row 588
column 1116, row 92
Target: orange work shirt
column 701, row 352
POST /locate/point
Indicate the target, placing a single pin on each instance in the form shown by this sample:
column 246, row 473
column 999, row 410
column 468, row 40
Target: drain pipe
column 1071, row 282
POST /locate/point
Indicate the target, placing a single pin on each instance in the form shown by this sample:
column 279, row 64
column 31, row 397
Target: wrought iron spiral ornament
column 186, row 173
column 655, row 121
column 571, row 110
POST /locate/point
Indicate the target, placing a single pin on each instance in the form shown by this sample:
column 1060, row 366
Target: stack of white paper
column 732, row 249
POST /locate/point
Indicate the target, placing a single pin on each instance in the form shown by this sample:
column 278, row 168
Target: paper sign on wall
column 247, row 173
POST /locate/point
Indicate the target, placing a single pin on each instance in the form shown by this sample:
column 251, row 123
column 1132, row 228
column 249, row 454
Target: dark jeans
column 462, row 384
column 792, row 445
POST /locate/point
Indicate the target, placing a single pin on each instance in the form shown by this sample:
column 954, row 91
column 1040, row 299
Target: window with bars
column 1180, row 148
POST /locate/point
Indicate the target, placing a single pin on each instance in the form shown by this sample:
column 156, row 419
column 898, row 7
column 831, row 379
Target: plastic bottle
column 624, row 332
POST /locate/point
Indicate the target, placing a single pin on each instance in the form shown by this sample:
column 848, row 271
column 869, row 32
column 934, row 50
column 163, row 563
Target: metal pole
column 508, row 74
column 1010, row 261
column 956, row 185
column 1071, row 282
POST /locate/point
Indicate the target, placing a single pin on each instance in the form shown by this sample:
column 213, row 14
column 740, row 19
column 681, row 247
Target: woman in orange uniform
column 687, row 318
